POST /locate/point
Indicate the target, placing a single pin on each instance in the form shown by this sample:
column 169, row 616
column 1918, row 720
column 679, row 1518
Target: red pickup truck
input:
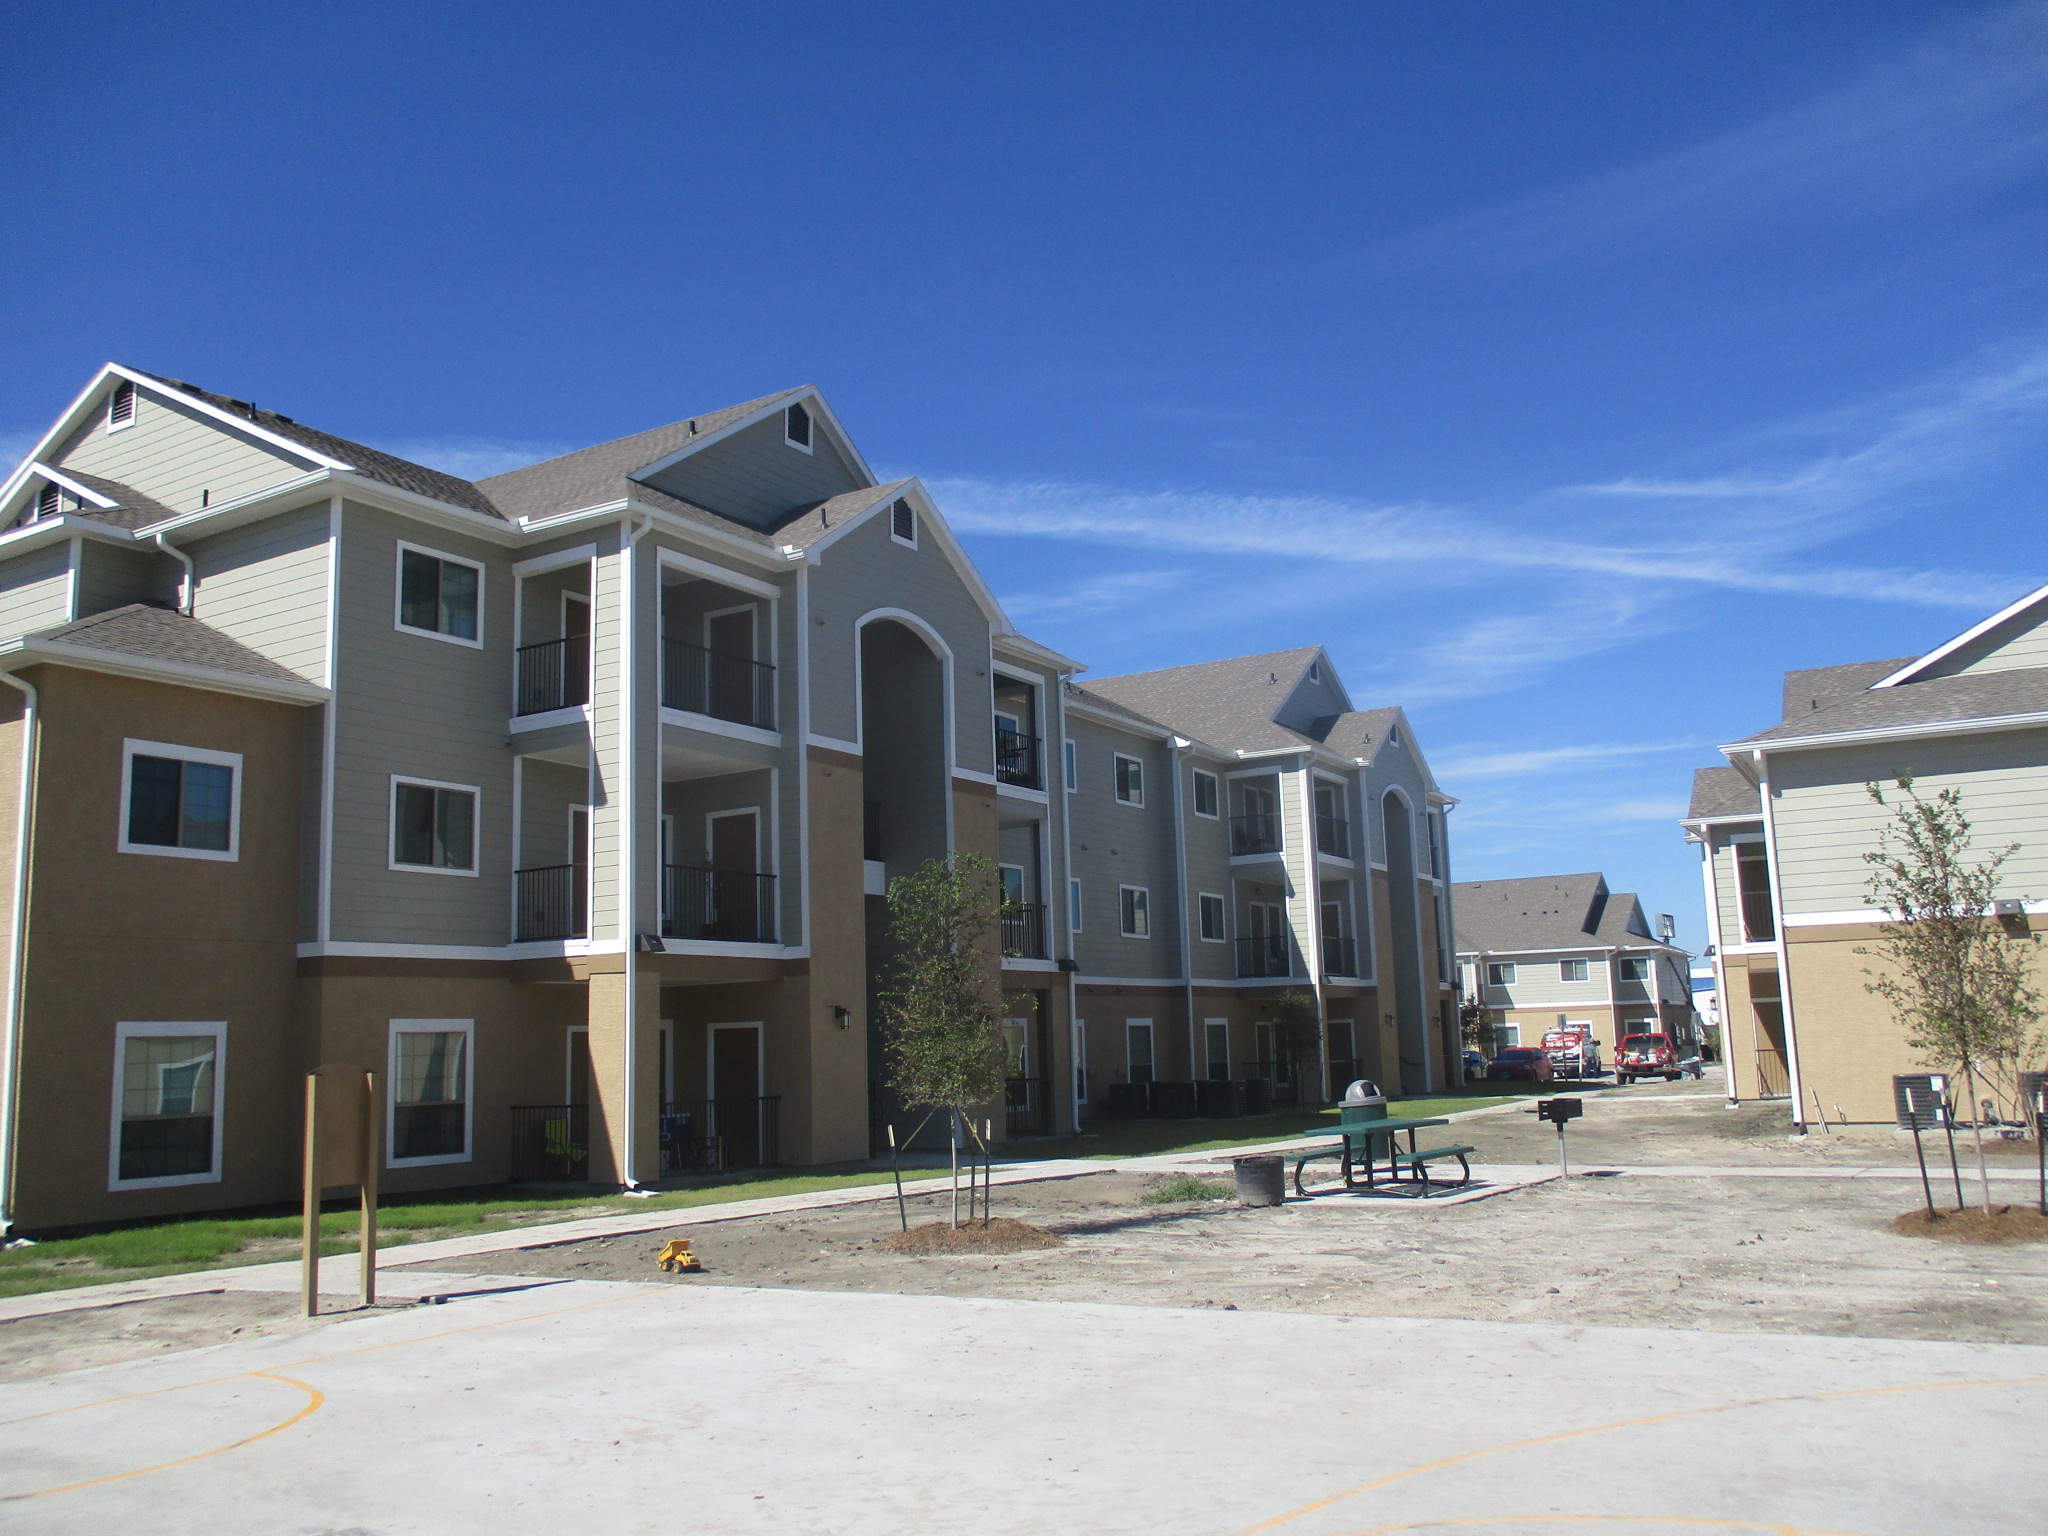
column 1646, row 1056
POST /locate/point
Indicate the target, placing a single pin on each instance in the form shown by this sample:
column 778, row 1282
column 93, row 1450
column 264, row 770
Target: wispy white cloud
column 1463, row 763
column 475, row 458
column 1104, row 594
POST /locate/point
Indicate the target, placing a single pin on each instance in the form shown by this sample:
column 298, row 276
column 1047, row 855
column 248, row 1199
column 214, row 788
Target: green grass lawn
column 1150, row 1138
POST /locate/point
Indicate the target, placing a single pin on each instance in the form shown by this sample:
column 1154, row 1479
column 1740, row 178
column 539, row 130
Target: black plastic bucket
column 1261, row 1179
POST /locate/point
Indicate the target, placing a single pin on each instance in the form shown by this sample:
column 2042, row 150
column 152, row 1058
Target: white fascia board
column 669, row 523
column 27, row 651
column 38, row 469
column 1119, row 722
column 1043, row 655
column 430, row 509
column 276, row 440
column 1720, row 821
column 65, row 424
column 242, row 509
column 711, row 571
column 59, row 530
column 1913, row 669
column 560, row 560
column 1974, row 727
column 884, row 495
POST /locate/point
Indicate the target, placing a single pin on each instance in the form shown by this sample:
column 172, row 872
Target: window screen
column 1571, row 970
column 436, row 828
column 1136, row 912
column 1130, row 781
column 1205, row 793
column 173, row 803
column 436, row 595
column 1500, row 975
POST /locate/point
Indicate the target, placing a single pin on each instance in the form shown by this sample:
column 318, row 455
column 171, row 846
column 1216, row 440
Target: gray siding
column 757, row 478
column 1729, row 894
column 112, row 577
column 547, row 791
column 266, row 585
column 173, row 453
column 1311, row 700
column 35, row 590
column 1208, row 856
column 1539, row 984
column 1826, row 821
column 2019, row 643
column 1117, row 845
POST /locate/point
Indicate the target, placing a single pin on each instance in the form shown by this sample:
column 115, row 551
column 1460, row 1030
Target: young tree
column 1475, row 1023
column 1297, row 1033
column 1957, row 981
column 942, row 1015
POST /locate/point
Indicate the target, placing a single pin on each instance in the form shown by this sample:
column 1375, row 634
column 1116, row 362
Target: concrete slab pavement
column 633, row 1408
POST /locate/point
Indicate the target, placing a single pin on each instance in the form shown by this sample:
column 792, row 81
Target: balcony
column 551, row 902
column 725, row 904
column 1258, row 832
column 1263, row 956
column 1024, row 932
column 719, row 1135
column 1340, row 955
column 1333, row 836
column 707, row 682
column 553, row 675
column 1017, row 759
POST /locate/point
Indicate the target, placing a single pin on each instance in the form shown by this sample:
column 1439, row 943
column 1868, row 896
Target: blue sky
column 1570, row 371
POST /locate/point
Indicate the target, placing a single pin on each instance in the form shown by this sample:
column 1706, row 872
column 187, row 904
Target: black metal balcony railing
column 550, row 1142
column 1333, row 836
column 1017, row 758
column 1258, row 832
column 1340, row 955
column 1027, row 1106
column 1282, row 1081
column 719, row 1135
column 552, row 902
column 1265, row 956
column 1024, row 932
column 707, row 682
column 717, row 904
column 553, row 675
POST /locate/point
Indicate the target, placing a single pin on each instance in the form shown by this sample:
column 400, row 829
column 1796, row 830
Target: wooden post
column 309, row 1225
column 367, row 1176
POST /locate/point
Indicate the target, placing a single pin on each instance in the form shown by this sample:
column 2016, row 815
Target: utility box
column 1920, row 1099
column 1558, row 1111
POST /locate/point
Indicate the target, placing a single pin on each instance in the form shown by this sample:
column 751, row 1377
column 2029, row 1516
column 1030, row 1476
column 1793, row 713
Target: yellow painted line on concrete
column 1601, row 1429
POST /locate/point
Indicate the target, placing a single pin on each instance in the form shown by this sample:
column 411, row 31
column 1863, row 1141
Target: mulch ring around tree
column 1002, row 1235
column 2005, row 1224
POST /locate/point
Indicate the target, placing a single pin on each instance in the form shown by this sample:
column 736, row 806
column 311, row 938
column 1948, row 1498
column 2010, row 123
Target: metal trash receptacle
column 1261, row 1179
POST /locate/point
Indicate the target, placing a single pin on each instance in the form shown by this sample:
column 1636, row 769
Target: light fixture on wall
column 651, row 944
column 842, row 1016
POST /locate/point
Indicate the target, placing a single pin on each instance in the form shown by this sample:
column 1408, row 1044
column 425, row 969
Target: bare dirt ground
column 70, row 1341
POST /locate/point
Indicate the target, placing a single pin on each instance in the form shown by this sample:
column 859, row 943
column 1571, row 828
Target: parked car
column 1573, row 1051
column 1475, row 1066
column 1521, row 1063
column 1646, row 1056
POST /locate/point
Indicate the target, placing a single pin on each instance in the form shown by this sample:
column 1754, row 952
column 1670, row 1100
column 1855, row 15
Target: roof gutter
column 17, row 947
column 1975, row 726
column 26, row 649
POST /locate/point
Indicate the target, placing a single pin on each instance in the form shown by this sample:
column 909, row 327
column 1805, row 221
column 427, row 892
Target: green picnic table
column 1361, row 1144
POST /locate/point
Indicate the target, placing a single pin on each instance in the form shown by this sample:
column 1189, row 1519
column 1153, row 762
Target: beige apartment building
column 566, row 800
column 1782, row 831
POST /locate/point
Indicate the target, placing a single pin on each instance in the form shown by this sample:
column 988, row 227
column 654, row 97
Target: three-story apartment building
column 566, row 801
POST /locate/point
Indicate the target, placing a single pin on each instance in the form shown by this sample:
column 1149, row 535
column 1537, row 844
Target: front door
column 730, row 639
column 736, row 1091
column 734, row 911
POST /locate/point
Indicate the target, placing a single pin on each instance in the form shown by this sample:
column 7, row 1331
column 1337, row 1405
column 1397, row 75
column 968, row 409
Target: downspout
column 1450, row 943
column 1794, row 1078
column 17, row 947
column 629, row 840
column 1176, row 746
column 1075, row 1065
column 188, row 595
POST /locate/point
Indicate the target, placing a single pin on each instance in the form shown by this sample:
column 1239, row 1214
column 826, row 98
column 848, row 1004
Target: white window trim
column 130, row 746
column 1222, row 907
column 398, row 594
column 1146, row 893
column 476, row 828
column 134, row 407
column 753, row 613
column 1196, row 799
column 1208, row 1060
column 463, row 1027
column 1500, row 965
column 894, row 536
column 1151, row 1037
column 760, row 831
column 1074, row 907
column 125, row 1032
column 810, row 417
column 1585, row 966
column 1070, row 760
column 1115, row 789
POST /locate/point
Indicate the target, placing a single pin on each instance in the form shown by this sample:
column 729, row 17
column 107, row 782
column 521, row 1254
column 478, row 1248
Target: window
column 430, row 1090
column 1500, row 974
column 1135, row 903
column 1216, row 1039
column 1130, row 780
column 1315, row 671
column 1211, row 908
column 121, row 407
column 1571, row 970
column 181, row 801
column 1394, row 734
column 1436, row 855
column 1753, row 881
column 1074, row 905
column 166, row 1105
column 49, row 500
column 1138, row 1049
column 796, row 428
column 903, row 523
column 433, row 826
column 1507, row 1034
column 1073, row 766
column 440, row 595
column 1206, row 800
column 1635, row 968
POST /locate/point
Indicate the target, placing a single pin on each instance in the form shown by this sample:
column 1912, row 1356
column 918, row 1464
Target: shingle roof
column 373, row 462
column 593, row 476
column 134, row 510
column 162, row 635
column 1538, row 912
column 1109, row 706
column 1813, row 688
column 1722, row 792
column 1935, row 701
column 807, row 527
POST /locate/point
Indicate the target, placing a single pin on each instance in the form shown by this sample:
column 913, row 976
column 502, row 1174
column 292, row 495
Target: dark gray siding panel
column 757, row 478
column 112, row 577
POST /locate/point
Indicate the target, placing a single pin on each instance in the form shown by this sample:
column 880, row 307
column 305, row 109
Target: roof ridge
column 728, row 413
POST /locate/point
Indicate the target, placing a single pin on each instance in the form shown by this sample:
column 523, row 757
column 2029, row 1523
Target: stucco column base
column 609, row 1053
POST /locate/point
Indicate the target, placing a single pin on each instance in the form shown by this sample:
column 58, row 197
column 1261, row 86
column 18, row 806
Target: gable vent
column 903, row 521
column 47, row 502
column 796, row 427
column 121, row 409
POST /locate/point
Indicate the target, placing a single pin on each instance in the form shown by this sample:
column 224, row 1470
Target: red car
column 1521, row 1063
column 1646, row 1056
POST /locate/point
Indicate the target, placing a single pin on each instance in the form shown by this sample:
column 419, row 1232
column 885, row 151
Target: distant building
column 1552, row 950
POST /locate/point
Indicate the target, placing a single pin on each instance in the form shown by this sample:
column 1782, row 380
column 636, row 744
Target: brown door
column 734, row 911
column 730, row 639
column 735, row 1092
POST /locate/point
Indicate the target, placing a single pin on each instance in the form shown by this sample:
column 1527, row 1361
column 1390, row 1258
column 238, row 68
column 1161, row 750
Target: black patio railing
column 708, row 682
column 1266, row 956
column 1333, row 836
column 1027, row 1106
column 719, row 1135
column 1257, row 833
column 1282, row 1075
column 1017, row 758
column 717, row 904
column 552, row 902
column 553, row 675
column 1024, row 932
column 1340, row 955
column 550, row 1142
